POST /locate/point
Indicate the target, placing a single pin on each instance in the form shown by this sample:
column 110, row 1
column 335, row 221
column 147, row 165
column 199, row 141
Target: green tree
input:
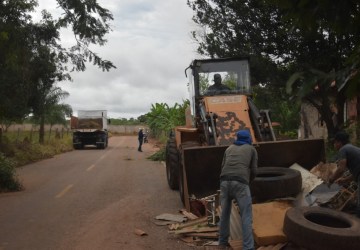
column 277, row 46
column 49, row 108
column 162, row 118
column 58, row 113
column 15, row 56
column 24, row 45
column 337, row 19
column 142, row 118
column 283, row 108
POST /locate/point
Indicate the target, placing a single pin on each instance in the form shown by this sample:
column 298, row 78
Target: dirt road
column 91, row 199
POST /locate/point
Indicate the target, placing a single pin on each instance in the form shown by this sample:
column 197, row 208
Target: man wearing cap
column 239, row 167
column 348, row 158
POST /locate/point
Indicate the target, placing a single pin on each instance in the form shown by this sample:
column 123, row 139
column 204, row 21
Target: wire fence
column 32, row 135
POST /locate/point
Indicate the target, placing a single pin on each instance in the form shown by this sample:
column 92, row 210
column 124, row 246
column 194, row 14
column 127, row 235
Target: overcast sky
column 150, row 45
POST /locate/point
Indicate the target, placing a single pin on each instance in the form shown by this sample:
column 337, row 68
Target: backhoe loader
column 194, row 152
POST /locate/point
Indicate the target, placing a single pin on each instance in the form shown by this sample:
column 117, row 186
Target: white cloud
column 150, row 45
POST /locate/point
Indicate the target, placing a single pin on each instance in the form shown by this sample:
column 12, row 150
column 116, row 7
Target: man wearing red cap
column 238, row 169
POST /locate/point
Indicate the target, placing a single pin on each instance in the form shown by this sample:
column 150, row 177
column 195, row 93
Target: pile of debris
column 188, row 227
column 200, row 227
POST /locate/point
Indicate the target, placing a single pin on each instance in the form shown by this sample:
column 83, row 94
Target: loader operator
column 217, row 87
column 239, row 167
column 348, row 158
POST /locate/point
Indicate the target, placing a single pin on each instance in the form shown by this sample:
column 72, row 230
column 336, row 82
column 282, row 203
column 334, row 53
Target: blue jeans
column 230, row 190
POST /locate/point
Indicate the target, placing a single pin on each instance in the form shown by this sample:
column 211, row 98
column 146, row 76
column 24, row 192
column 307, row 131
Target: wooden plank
column 171, row 217
column 189, row 215
column 190, row 223
column 206, row 235
column 197, row 230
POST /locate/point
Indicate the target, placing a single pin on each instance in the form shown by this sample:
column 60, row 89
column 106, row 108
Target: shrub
column 158, row 156
column 8, row 178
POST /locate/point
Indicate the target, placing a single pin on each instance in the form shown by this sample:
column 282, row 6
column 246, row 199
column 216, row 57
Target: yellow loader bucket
column 201, row 165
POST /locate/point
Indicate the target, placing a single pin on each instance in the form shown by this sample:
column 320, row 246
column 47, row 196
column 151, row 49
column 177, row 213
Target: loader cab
column 234, row 72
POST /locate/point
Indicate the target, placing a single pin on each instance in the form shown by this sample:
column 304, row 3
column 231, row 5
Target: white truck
column 90, row 128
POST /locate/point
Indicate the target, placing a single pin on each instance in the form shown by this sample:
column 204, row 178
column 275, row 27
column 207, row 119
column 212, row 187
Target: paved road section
column 90, row 199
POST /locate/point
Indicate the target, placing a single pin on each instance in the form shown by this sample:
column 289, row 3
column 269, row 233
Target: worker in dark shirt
column 239, row 168
column 141, row 139
column 348, row 158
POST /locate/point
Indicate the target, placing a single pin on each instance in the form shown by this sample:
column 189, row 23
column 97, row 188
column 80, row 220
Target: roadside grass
column 8, row 178
column 19, row 149
column 16, row 151
column 158, row 156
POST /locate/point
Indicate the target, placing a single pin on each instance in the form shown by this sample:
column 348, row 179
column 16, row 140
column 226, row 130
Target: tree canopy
column 32, row 57
column 299, row 42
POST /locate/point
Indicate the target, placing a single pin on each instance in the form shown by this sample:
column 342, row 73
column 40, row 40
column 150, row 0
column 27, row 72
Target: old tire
column 275, row 182
column 317, row 228
column 172, row 164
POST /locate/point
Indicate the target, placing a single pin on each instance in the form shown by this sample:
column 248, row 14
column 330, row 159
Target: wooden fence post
column 18, row 134
column 49, row 134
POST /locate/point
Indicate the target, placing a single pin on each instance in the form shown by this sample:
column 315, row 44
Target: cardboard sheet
column 268, row 221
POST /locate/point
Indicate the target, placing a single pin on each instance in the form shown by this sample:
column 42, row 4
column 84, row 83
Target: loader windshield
column 222, row 77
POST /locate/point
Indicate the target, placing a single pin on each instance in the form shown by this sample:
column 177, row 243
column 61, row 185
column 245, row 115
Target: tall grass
column 18, row 149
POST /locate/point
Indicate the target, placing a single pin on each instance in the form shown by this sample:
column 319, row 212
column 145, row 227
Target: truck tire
column 172, row 164
column 317, row 228
column 275, row 182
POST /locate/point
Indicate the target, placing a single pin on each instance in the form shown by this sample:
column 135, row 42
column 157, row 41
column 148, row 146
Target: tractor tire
column 172, row 164
column 77, row 146
column 275, row 182
column 181, row 183
column 317, row 228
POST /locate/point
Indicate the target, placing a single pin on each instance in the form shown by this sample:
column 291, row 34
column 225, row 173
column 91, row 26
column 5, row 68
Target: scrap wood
column 163, row 222
column 342, row 198
column 140, row 232
column 273, row 247
column 171, row 217
column 187, row 239
column 189, row 215
column 206, row 235
column 324, row 170
column 197, row 230
column 188, row 223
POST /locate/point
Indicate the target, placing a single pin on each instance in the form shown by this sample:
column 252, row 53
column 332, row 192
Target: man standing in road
column 140, row 138
column 238, row 169
column 348, row 158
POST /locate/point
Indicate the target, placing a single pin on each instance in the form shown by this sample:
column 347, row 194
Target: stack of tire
column 312, row 228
